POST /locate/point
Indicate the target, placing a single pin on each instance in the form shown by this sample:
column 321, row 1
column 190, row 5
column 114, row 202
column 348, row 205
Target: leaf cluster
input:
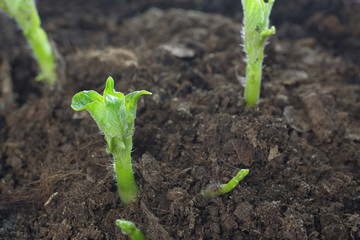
column 113, row 112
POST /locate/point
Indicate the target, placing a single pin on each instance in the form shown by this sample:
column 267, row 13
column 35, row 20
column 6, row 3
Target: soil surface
column 301, row 143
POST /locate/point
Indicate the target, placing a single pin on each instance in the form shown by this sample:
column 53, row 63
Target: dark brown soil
column 301, row 143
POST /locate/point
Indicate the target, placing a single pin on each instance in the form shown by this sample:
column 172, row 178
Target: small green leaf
column 84, row 99
column 131, row 100
column 109, row 89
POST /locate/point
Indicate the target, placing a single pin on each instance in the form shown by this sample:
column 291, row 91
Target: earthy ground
column 301, row 143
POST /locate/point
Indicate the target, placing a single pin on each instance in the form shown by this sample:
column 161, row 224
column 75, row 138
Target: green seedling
column 115, row 114
column 255, row 33
column 216, row 190
column 129, row 228
column 25, row 14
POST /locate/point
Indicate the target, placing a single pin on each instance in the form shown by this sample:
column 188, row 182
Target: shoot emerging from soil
column 129, row 228
column 115, row 115
column 255, row 33
column 216, row 190
column 25, row 14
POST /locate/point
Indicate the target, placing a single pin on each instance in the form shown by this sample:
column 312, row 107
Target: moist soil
column 301, row 143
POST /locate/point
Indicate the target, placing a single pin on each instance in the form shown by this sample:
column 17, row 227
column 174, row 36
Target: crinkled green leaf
column 113, row 112
column 109, row 89
column 86, row 100
column 131, row 100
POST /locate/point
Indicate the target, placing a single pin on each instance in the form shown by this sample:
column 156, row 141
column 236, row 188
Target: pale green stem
column 255, row 32
column 253, row 83
column 44, row 55
column 129, row 228
column 27, row 17
column 125, row 177
column 225, row 188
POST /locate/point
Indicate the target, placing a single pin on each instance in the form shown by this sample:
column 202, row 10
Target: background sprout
column 115, row 114
column 216, row 190
column 129, row 228
column 25, row 14
column 255, row 33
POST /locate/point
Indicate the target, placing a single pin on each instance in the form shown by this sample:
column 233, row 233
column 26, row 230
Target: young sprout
column 255, row 33
column 115, row 114
column 129, row 228
column 25, row 14
column 216, row 190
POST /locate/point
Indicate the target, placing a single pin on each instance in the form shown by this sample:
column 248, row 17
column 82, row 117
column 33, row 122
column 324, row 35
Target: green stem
column 27, row 17
column 255, row 32
column 125, row 177
column 253, row 82
column 43, row 54
column 129, row 228
column 225, row 188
